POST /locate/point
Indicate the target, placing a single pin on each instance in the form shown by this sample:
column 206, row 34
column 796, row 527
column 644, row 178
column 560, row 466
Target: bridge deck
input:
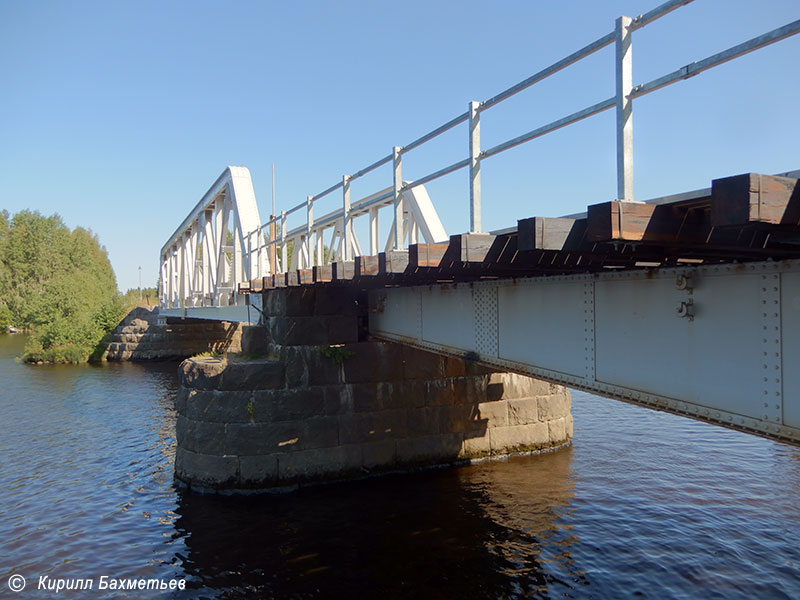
column 572, row 300
column 744, row 218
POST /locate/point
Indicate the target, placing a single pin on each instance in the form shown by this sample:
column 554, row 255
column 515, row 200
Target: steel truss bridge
column 688, row 303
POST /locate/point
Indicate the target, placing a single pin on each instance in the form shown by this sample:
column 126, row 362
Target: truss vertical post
column 474, row 167
column 397, row 163
column 624, row 109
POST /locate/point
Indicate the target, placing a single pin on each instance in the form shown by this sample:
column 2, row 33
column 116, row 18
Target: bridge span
column 688, row 303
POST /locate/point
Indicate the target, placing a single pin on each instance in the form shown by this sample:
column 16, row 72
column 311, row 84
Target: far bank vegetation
column 58, row 284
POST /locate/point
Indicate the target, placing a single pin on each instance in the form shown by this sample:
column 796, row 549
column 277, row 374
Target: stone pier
column 144, row 335
column 311, row 399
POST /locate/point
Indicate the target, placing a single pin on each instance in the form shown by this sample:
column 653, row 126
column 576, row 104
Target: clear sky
column 120, row 115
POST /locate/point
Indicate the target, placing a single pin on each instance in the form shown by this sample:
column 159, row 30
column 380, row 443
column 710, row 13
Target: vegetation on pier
column 58, row 284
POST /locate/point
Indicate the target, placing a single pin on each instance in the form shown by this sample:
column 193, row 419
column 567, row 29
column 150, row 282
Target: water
column 644, row 505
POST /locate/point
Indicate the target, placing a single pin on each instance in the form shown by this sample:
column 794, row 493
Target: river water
column 643, row 505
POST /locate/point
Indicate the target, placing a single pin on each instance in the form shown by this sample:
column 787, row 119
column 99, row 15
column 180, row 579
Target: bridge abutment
column 312, row 399
column 145, row 335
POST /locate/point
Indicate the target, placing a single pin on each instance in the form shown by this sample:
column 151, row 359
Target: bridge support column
column 312, row 399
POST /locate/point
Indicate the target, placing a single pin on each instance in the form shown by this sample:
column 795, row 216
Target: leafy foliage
column 57, row 283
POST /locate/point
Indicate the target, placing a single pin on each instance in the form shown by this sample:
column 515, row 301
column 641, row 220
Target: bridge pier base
column 312, row 399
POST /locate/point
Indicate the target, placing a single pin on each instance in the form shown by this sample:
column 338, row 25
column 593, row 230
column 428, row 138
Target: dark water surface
column 644, row 505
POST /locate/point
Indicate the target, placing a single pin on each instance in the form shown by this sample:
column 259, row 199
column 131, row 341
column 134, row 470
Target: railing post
column 347, row 222
column 624, row 110
column 272, row 247
column 309, row 224
column 474, row 168
column 397, row 162
column 284, row 266
column 373, row 231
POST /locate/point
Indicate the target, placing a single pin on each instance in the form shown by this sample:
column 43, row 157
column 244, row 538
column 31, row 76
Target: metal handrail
column 626, row 92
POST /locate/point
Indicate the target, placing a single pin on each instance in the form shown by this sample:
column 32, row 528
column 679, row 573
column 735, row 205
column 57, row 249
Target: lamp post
column 140, row 285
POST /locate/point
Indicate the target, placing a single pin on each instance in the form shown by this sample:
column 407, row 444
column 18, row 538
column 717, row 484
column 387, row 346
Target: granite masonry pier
column 145, row 335
column 311, row 399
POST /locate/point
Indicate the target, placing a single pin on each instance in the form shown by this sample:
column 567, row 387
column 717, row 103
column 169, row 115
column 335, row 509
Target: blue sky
column 119, row 115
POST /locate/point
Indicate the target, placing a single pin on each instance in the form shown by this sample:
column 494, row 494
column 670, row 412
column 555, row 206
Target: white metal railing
column 308, row 252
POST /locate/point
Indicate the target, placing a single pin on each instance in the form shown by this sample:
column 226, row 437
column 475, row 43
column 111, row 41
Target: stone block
column 297, row 374
column 557, row 430
column 321, row 463
column 569, row 426
column 424, row 421
column 336, row 301
column 495, row 413
column 180, row 400
column 320, row 432
column 555, row 405
column 255, row 340
column 440, row 392
column 367, row 427
column 519, row 437
column 511, row 385
column 454, row 367
column 379, row 455
column 289, row 301
column 206, row 470
column 373, row 361
column 365, row 397
column 475, row 445
column 408, row 394
column 522, row 411
column 419, row 364
column 250, row 439
column 429, row 449
column 322, row 369
column 258, row 471
column 199, row 436
column 219, row 407
column 202, row 373
column 461, row 418
column 338, row 399
column 253, row 375
column 470, row 389
column 289, row 405
column 313, row 330
column 340, row 329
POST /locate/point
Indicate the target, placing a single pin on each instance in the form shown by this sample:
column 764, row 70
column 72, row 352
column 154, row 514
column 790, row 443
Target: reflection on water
column 643, row 505
column 478, row 532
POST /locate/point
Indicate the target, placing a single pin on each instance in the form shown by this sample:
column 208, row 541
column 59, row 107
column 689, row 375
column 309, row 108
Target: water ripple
column 644, row 505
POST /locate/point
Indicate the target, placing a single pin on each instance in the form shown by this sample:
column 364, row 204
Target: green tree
column 57, row 283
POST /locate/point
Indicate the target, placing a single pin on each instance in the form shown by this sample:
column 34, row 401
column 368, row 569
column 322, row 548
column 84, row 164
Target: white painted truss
column 206, row 258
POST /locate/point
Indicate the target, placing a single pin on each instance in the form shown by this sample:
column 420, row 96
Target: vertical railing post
column 309, row 246
column 347, row 220
column 320, row 253
column 284, row 264
column 474, row 167
column 624, row 109
column 272, row 247
column 249, row 262
column 373, row 230
column 259, row 250
column 397, row 162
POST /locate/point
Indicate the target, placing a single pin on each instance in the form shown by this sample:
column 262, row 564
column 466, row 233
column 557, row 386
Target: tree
column 57, row 283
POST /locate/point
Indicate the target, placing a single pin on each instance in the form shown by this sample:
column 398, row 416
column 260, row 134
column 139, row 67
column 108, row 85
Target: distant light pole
column 140, row 284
